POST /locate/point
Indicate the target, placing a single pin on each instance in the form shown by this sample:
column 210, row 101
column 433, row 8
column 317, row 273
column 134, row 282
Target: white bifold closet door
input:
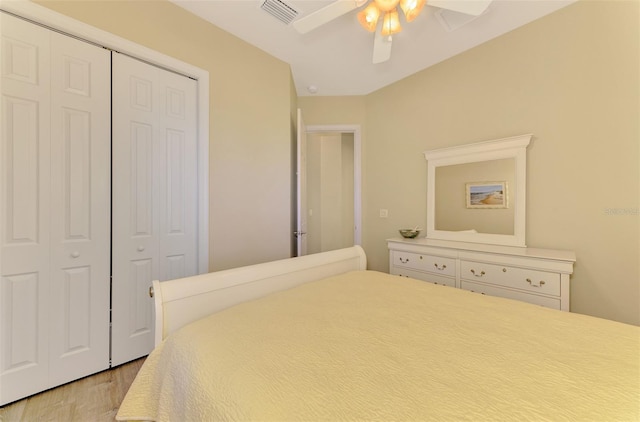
column 54, row 209
column 155, row 192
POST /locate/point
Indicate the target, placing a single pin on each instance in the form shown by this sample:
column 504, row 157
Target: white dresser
column 539, row 276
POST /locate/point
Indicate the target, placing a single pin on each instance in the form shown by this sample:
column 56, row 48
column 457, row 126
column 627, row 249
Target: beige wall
column 571, row 79
column 333, row 110
column 250, row 123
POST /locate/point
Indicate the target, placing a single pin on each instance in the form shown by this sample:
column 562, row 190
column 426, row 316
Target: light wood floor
column 94, row 398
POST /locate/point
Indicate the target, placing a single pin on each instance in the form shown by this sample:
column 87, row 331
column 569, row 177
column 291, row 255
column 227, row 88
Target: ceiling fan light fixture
column 368, row 17
column 386, row 5
column 391, row 23
column 411, row 8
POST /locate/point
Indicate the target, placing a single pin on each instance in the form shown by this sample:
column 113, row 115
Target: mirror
column 452, row 212
column 476, row 192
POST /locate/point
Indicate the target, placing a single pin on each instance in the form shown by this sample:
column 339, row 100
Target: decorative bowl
column 409, row 233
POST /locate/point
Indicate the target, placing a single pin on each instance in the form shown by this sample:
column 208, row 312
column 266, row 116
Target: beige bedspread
column 370, row 346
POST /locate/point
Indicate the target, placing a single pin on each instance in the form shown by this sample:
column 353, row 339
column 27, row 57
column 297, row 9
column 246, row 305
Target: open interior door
column 301, row 183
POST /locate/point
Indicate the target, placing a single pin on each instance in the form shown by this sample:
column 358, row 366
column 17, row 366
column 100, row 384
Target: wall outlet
column 384, row 213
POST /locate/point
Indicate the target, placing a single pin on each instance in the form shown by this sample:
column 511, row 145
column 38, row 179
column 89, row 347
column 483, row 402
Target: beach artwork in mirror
column 486, row 195
column 476, row 192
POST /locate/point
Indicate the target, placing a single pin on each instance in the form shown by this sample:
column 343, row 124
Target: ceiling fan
column 369, row 17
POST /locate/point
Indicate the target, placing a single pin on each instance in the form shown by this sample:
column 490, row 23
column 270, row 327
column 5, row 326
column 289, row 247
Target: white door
column 80, row 209
column 154, row 195
column 24, row 171
column 54, row 205
column 301, row 183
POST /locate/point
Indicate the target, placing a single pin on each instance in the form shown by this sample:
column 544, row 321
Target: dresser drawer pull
column 404, row 260
column 440, row 268
column 540, row 284
column 477, row 275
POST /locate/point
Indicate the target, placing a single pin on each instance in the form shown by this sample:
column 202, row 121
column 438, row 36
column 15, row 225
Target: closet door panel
column 179, row 182
column 154, row 194
column 136, row 158
column 24, row 209
column 80, row 188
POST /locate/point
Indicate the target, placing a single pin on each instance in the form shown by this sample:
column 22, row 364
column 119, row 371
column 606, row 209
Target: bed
column 321, row 338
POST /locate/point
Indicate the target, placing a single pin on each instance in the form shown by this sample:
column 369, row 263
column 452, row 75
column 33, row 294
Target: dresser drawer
column 431, row 278
column 548, row 302
column 541, row 282
column 539, row 276
column 430, row 263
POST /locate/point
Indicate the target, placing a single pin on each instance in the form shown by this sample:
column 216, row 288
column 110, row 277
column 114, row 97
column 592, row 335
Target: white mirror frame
column 513, row 147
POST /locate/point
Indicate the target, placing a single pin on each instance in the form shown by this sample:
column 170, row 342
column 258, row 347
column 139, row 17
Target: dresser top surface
column 555, row 254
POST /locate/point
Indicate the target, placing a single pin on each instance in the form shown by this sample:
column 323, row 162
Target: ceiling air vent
column 279, row 10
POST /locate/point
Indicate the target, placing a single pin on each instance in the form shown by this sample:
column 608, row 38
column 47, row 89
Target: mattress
column 370, row 346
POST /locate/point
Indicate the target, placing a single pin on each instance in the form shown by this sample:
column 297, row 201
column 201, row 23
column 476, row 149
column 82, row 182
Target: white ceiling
column 336, row 57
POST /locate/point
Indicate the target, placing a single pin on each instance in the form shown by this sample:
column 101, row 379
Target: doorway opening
column 333, row 187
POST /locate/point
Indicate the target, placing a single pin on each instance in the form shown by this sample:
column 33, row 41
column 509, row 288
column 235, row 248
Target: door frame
column 301, row 186
column 65, row 24
column 357, row 170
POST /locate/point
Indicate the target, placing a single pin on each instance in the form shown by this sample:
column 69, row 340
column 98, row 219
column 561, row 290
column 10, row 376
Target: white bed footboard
column 184, row 300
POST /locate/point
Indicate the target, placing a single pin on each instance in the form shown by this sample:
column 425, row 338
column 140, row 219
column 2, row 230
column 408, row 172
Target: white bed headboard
column 184, row 300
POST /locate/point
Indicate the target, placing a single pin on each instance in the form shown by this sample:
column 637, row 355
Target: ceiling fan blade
column 381, row 48
column 325, row 15
column 468, row 7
